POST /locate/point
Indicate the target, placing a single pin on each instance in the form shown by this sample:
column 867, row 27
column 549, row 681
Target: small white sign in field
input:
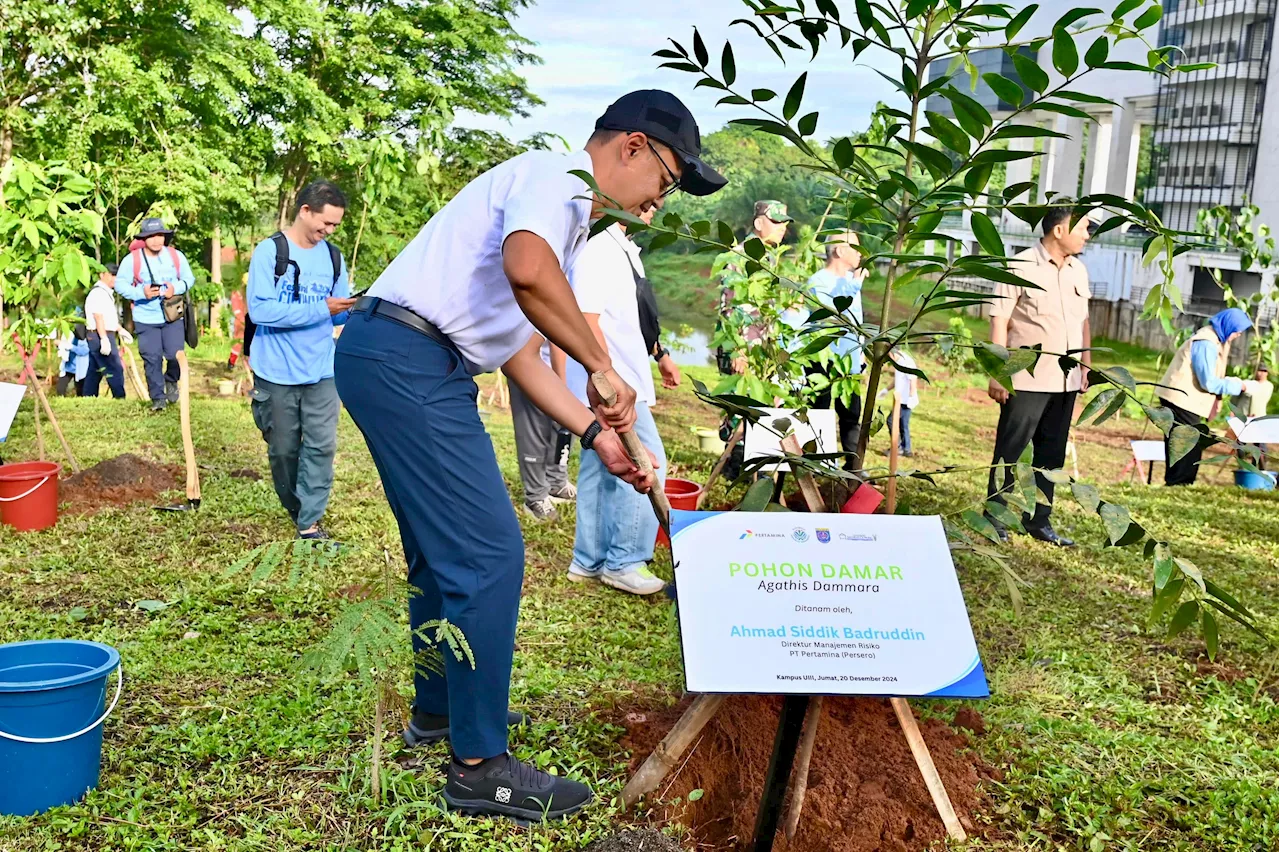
column 765, row 438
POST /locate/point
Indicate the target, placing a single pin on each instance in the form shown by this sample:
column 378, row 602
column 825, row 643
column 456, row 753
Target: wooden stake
column 29, row 363
column 184, row 411
column 737, row 436
column 673, row 746
column 35, row 409
column 800, row 777
column 924, row 762
column 138, row 385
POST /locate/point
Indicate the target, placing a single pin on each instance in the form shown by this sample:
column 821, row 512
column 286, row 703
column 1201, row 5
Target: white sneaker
column 638, row 581
column 542, row 509
column 578, row 574
column 566, row 493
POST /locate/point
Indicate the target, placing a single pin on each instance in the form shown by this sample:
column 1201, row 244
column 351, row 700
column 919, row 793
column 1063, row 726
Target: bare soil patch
column 119, row 481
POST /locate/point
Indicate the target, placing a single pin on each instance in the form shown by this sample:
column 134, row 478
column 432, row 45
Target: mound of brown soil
column 117, row 481
column 865, row 792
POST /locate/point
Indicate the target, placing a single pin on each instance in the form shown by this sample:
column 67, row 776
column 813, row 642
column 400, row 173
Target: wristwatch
column 588, row 437
column 662, row 353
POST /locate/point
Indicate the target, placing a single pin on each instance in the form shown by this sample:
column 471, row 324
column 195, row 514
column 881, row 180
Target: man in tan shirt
column 1055, row 316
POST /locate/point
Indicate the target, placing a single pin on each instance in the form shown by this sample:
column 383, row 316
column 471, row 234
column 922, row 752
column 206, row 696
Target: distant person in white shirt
column 907, row 386
column 616, row 528
column 478, row 289
column 102, row 318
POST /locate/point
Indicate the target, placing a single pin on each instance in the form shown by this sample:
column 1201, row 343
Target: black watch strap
column 662, row 353
column 588, row 437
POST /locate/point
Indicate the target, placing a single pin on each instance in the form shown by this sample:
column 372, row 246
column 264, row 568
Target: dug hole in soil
column 118, row 481
column 865, row 792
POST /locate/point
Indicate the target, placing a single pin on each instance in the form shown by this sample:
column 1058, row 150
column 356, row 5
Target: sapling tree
column 367, row 637
column 1257, row 249
column 927, row 165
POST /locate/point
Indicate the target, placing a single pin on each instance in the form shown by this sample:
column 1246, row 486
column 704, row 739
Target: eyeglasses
column 675, row 179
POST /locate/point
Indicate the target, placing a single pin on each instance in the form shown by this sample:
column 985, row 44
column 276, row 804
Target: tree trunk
column 6, row 154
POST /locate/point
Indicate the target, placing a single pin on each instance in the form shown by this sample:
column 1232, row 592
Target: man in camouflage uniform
column 770, row 225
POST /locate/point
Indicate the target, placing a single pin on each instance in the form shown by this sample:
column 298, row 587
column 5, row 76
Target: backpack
column 179, row 306
column 283, row 262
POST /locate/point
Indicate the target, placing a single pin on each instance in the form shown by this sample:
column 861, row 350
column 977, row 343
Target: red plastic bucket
column 29, row 495
column 682, row 494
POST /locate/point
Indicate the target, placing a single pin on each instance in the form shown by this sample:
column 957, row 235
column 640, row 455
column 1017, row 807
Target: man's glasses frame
column 675, row 179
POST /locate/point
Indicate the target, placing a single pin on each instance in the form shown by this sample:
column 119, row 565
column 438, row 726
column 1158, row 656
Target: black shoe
column 503, row 786
column 1047, row 534
column 1002, row 532
column 159, row 405
column 425, row 729
column 171, row 391
column 318, row 534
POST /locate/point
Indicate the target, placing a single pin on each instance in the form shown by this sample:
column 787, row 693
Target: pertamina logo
column 824, row 535
column 799, row 534
column 750, row 534
column 747, row 534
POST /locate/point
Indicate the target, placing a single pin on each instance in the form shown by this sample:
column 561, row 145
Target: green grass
column 1109, row 736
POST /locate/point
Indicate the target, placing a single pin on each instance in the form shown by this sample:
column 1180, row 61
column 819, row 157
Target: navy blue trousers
column 414, row 402
column 157, row 344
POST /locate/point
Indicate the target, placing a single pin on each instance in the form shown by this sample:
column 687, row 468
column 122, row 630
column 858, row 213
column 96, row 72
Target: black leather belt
column 389, row 310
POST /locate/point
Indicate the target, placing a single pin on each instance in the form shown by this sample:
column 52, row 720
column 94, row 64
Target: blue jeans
column 904, row 429
column 104, row 366
column 616, row 526
column 412, row 399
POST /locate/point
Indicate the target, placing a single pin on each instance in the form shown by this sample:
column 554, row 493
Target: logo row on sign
column 801, row 534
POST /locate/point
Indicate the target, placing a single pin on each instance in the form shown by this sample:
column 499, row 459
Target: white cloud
column 593, row 54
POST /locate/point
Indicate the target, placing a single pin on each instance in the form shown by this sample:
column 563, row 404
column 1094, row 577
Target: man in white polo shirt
column 103, row 319
column 616, row 528
column 478, row 289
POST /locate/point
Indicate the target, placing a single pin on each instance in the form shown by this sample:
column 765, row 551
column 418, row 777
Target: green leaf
column 976, row 522
column 842, row 153
column 1030, row 73
column 1222, row 595
column 1190, row 571
column 1124, row 7
column 794, row 96
column 1163, row 565
column 1006, row 90
column 1074, row 15
column 1096, row 404
column 71, row 268
column 1149, row 18
column 1065, row 57
column 946, row 132
column 1183, row 618
column 1182, row 440
column 1097, row 52
column 700, row 49
column 988, row 236
column 1115, row 520
column 1015, row 26
column 728, row 70
column 808, row 124
column 1026, row 131
column 1004, row 514
column 1086, row 496
column 695, row 795
column 1160, row 417
column 151, row 606
column 1165, row 599
column 763, row 95
column 757, row 496
column 77, row 613
column 1209, row 625
column 976, row 178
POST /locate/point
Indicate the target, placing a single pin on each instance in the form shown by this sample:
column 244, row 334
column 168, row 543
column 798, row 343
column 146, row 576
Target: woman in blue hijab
column 1195, row 383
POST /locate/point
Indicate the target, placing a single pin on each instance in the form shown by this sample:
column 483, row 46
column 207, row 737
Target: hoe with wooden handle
column 188, row 446
column 639, row 455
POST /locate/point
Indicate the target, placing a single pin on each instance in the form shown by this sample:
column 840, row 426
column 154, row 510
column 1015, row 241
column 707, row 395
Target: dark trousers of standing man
column 104, row 366
column 156, row 344
column 543, row 448
column 848, row 416
column 1185, row 469
column 1043, row 420
column 412, row 398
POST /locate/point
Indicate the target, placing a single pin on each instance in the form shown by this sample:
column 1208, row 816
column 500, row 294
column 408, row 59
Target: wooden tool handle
column 639, row 455
column 184, row 411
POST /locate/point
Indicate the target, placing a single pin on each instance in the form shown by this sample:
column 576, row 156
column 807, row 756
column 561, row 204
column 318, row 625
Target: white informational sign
column 818, row 604
column 1258, row 430
column 10, row 399
column 763, row 438
column 1148, row 451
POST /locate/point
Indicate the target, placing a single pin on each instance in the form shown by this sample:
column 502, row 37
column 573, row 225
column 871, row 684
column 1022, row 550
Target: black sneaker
column 503, row 786
column 425, row 729
column 159, row 405
column 317, row 534
column 171, row 391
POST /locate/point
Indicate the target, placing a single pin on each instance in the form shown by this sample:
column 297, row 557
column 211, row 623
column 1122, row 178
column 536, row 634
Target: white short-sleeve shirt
column 451, row 272
column 604, row 284
column 101, row 300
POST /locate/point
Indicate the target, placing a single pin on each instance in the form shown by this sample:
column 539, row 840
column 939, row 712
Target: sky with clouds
column 592, row 53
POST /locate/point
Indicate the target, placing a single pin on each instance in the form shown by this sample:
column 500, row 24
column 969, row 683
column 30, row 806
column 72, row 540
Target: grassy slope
column 1110, row 736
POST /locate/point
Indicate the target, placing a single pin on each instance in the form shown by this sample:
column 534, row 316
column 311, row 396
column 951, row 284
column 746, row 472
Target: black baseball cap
column 661, row 116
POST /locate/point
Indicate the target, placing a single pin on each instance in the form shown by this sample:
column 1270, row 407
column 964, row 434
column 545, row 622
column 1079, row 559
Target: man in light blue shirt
column 297, row 292
column 842, row 276
column 150, row 274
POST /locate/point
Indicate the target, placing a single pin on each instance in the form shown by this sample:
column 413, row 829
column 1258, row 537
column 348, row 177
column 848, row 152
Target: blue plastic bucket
column 53, row 701
column 1252, row 481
